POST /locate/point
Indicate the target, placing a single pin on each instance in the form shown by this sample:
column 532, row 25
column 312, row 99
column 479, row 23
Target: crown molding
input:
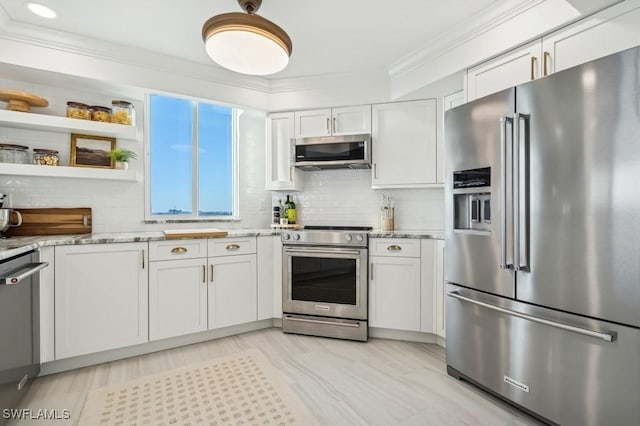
column 99, row 49
column 482, row 22
column 319, row 82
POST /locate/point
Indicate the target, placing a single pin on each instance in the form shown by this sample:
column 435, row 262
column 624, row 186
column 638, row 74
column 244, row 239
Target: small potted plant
column 122, row 157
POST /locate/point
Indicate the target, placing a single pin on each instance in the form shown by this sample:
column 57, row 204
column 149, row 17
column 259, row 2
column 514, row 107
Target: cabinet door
column 440, row 289
column 232, row 290
column 404, row 144
column 311, row 123
column 280, row 174
column 394, row 293
column 515, row 67
column 427, row 285
column 610, row 31
column 177, row 297
column 351, row 120
column 100, row 297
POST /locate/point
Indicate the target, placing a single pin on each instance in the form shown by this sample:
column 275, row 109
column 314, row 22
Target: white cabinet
column 101, row 297
column 177, row 288
column 232, row 282
column 427, row 285
column 439, row 289
column 265, row 275
column 404, row 144
column 333, row 121
column 394, row 287
column 280, row 173
column 517, row 66
column 607, row 32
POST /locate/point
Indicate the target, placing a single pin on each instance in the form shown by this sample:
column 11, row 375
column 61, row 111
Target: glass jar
column 122, row 112
column 45, row 157
column 100, row 113
column 10, row 153
column 78, row 110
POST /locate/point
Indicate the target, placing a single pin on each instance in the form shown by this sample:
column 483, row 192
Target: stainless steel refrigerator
column 542, row 228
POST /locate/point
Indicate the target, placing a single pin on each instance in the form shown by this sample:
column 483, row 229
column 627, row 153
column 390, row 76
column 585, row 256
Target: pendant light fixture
column 246, row 42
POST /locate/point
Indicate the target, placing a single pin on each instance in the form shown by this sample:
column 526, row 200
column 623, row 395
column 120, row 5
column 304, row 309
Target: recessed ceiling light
column 41, row 10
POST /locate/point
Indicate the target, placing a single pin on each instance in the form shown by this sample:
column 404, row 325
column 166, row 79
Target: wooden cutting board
column 191, row 233
column 54, row 221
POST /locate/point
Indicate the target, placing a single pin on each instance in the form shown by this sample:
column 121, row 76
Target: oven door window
column 319, row 279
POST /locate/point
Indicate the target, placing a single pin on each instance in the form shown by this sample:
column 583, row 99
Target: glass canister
column 101, row 113
column 122, row 112
column 78, row 110
column 45, row 157
column 10, row 153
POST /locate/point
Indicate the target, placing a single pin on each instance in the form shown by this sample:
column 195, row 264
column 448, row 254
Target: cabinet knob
column 179, row 250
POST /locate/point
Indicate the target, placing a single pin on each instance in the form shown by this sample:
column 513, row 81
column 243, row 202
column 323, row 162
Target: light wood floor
column 381, row 382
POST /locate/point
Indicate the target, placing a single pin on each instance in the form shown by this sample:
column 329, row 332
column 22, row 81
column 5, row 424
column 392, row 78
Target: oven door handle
column 341, row 324
column 329, row 251
column 19, row 274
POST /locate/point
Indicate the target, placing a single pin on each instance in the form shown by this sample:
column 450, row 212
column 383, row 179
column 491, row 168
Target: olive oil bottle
column 290, row 209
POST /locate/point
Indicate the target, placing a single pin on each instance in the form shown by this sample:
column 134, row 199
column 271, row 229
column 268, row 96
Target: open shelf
column 67, row 172
column 33, row 121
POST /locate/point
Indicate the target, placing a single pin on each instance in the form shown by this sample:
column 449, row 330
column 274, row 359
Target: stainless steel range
column 325, row 281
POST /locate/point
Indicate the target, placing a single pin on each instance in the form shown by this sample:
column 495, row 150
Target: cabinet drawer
column 396, row 247
column 231, row 246
column 177, row 249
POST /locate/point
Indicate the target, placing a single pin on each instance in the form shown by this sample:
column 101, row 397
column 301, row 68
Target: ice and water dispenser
column 472, row 199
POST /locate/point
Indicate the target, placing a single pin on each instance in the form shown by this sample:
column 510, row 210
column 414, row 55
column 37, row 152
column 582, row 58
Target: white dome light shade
column 247, row 52
column 41, row 10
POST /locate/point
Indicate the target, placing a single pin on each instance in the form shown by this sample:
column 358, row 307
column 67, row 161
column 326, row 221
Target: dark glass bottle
column 290, row 208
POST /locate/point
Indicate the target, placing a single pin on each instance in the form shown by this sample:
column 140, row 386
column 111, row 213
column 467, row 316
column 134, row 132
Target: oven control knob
column 348, row 237
column 286, row 236
column 296, row 236
column 359, row 237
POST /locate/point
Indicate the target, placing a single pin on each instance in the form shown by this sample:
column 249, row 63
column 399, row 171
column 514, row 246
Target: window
column 192, row 153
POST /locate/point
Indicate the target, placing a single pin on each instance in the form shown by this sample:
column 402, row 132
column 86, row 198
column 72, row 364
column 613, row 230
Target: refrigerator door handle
column 520, row 193
column 504, row 121
column 607, row 337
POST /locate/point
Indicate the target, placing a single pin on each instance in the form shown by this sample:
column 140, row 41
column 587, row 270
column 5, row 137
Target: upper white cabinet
column 404, row 144
column 101, row 297
column 516, row 67
column 610, row 31
column 607, row 32
column 333, row 121
column 280, row 173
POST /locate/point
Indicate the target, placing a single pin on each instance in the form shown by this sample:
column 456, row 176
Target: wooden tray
column 288, row 226
column 21, row 101
column 53, row 221
column 191, row 233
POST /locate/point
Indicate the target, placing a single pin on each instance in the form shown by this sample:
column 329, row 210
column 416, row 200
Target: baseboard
column 410, row 336
column 66, row 364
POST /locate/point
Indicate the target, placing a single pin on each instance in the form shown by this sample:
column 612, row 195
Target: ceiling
column 329, row 36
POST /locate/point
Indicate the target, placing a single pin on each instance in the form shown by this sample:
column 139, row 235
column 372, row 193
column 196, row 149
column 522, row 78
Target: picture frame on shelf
column 92, row 151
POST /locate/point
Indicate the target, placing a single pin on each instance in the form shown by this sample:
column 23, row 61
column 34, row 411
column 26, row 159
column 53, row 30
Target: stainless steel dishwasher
column 19, row 326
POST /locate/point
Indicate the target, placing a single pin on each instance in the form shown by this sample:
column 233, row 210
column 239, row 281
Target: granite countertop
column 17, row 245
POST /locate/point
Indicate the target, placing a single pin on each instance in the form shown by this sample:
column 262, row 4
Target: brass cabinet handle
column 142, row 259
column 204, row 273
column 394, row 247
column 533, row 67
column 233, row 247
column 179, row 250
column 211, row 277
column 334, row 124
column 545, row 61
column 371, row 274
column 328, row 129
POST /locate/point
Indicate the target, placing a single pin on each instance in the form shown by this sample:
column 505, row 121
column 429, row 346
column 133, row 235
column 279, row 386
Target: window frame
column 149, row 217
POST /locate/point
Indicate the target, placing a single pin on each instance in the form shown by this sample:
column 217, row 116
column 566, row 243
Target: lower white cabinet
column 177, row 297
column 440, row 289
column 101, row 297
column 394, row 287
column 232, row 290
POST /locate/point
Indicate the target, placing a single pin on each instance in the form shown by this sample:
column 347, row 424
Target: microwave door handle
column 504, row 121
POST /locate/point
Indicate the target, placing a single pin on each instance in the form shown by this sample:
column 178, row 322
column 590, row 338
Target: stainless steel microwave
column 332, row 152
